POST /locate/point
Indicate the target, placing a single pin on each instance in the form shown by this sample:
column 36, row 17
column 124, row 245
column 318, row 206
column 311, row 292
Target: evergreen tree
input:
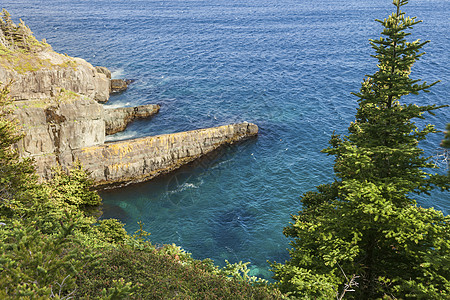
column 365, row 233
column 446, row 141
column 446, row 144
column 17, row 179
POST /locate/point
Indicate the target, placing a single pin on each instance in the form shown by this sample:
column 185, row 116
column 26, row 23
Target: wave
column 185, row 186
column 117, row 105
column 121, row 136
column 117, row 73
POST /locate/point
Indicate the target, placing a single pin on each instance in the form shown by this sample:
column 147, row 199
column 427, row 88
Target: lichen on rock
column 35, row 69
column 56, row 100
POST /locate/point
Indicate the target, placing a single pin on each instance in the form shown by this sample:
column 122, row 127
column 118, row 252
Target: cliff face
column 141, row 159
column 56, row 103
column 54, row 127
column 74, row 74
column 59, row 131
column 36, row 71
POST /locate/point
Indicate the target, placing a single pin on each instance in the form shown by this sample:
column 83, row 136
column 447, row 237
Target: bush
column 166, row 273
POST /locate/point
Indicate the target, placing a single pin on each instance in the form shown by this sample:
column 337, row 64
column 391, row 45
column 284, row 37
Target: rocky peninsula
column 57, row 103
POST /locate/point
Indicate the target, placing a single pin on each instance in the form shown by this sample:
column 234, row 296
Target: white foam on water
column 185, row 186
column 117, row 73
column 121, row 136
column 117, row 105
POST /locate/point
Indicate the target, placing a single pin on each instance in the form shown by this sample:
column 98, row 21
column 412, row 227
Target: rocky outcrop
column 59, row 71
column 137, row 160
column 119, row 85
column 54, row 127
column 37, row 72
column 117, row 119
column 56, row 103
column 72, row 127
column 103, row 70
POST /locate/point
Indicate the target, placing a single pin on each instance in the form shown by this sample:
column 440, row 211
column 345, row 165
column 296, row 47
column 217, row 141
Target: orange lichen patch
column 93, row 151
column 121, row 149
column 118, row 167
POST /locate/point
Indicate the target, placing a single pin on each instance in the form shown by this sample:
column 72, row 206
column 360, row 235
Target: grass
column 20, row 49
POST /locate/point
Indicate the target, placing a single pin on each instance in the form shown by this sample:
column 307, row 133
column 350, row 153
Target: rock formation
column 103, row 70
column 54, row 127
column 137, row 160
column 37, row 72
column 117, row 119
column 56, row 101
column 119, row 85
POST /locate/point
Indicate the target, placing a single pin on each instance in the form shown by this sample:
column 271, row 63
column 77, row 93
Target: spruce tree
column 364, row 236
column 446, row 144
column 17, row 178
column 446, row 141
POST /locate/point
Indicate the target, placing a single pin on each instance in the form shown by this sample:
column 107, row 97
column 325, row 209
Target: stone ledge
column 117, row 119
column 121, row 163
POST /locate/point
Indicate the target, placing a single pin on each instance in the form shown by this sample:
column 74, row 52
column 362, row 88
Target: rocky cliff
column 70, row 127
column 52, row 72
column 117, row 119
column 37, row 72
column 56, row 101
column 137, row 160
column 55, row 126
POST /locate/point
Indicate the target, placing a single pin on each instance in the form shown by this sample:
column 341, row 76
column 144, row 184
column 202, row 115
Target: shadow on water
column 171, row 190
column 231, row 228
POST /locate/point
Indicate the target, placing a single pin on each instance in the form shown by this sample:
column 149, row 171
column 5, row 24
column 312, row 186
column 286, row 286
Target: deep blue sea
column 287, row 65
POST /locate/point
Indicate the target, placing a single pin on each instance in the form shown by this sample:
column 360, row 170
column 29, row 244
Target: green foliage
column 68, row 192
column 240, row 271
column 141, row 234
column 18, row 37
column 366, row 225
column 165, row 273
column 120, row 290
column 73, row 187
column 446, row 141
column 18, row 179
column 34, row 264
column 112, row 230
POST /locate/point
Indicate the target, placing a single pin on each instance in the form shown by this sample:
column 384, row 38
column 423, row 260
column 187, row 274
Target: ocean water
column 287, row 65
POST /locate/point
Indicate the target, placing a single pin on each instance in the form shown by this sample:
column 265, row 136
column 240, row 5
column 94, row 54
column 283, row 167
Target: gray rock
column 121, row 163
column 117, row 119
column 60, row 130
column 103, row 70
column 119, row 85
column 53, row 70
column 56, row 126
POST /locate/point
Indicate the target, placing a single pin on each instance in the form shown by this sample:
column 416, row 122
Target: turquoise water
column 288, row 66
